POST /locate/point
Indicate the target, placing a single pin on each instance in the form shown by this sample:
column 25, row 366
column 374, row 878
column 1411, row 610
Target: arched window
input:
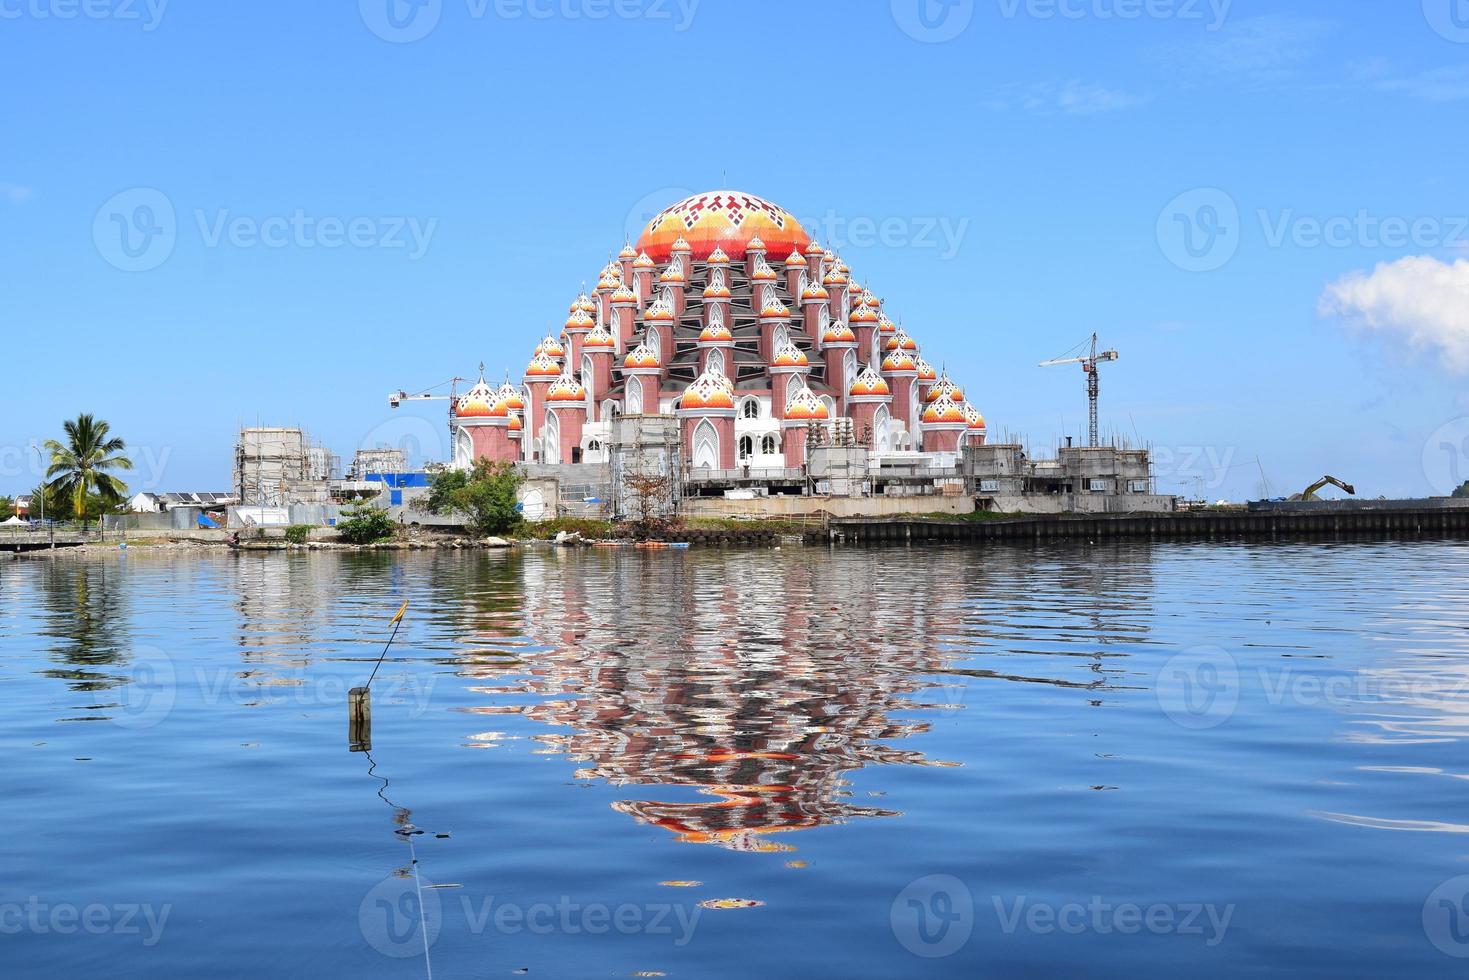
column 831, row 406
column 551, row 439
column 849, row 369
column 768, row 446
column 780, row 337
column 882, row 439
column 750, row 408
column 747, row 448
column 610, row 409
column 463, row 450
column 634, row 395
column 586, row 375
column 793, row 387
column 706, row 445
column 655, row 342
column 715, row 361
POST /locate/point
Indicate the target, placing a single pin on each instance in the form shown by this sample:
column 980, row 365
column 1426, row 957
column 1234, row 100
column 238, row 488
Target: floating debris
column 680, row 884
column 648, row 973
column 731, row 903
column 795, row 864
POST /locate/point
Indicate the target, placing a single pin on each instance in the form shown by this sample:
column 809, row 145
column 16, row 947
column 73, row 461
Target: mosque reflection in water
column 760, row 683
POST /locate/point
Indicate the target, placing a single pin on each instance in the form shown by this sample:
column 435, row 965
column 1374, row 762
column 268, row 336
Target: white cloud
column 1072, row 98
column 1419, row 302
column 1268, row 49
column 1437, row 85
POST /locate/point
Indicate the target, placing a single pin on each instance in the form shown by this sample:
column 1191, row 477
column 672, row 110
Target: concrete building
column 270, row 463
column 1101, row 479
column 383, row 459
column 157, row 503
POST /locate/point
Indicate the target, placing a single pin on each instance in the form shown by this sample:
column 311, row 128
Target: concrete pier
column 1426, row 522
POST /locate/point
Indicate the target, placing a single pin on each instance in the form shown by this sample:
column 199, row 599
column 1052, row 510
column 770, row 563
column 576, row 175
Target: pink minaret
column 578, row 325
column 643, row 268
column 474, row 415
column 706, row 415
column 660, row 316
column 642, row 371
column 943, row 418
column 863, row 322
column 836, row 340
column 624, row 315
column 625, row 259
column 539, row 375
column 773, row 314
column 754, row 255
column 815, row 262
column 673, row 282
column 606, row 286
column 803, row 411
column 601, row 349
column 902, row 374
column 716, row 337
column 568, row 399
column 787, row 360
column 814, row 300
column 795, row 268
column 864, row 397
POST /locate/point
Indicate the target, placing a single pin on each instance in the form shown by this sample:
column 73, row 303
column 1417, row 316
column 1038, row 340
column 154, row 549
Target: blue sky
column 1260, row 204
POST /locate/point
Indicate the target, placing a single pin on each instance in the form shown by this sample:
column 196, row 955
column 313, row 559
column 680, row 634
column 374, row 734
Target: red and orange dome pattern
column 710, row 390
column 723, row 219
column 476, row 403
column 806, row 407
column 838, row 332
column 869, row 383
column 944, row 412
column 641, row 356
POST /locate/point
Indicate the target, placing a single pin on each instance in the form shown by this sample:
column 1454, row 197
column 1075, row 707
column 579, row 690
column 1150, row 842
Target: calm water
column 1141, row 759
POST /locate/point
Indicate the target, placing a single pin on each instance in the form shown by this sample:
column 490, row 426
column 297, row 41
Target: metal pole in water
column 359, row 699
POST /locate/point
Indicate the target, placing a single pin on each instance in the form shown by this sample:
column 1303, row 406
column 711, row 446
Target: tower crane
column 1089, row 363
column 397, row 398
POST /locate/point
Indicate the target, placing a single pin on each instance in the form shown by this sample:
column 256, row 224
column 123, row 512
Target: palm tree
column 80, row 467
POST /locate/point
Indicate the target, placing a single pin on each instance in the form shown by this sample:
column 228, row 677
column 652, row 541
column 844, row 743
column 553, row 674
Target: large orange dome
column 726, row 220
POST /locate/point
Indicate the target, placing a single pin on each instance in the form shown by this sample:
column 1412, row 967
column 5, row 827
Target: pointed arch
column 706, row 445
column 654, row 340
column 882, row 438
column 463, row 450
column 794, row 384
column 551, row 439
column 849, row 369
column 634, row 395
column 780, row 338
column 715, row 361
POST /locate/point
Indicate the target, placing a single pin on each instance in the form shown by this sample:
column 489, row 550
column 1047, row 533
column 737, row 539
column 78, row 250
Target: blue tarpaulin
column 204, row 521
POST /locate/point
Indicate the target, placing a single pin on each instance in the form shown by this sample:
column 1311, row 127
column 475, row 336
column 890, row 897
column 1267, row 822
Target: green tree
column 7, row 507
column 364, row 525
column 80, row 468
column 486, row 496
column 1463, row 491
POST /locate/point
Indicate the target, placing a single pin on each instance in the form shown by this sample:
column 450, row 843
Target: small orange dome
column 796, row 259
column 716, row 290
column 476, row 403
column 884, row 325
column 718, row 257
column 628, row 252
column 566, row 388
column 643, row 262
column 624, row 297
column 542, row 366
column 509, row 396
column 789, row 355
column 815, row 250
column 925, row 370
column 869, row 382
column 755, row 245
column 814, row 293
column 641, row 356
column 773, row 307
column 834, row 277
column 806, row 407
column 838, row 333
column 763, row 272
column 944, row 413
column 551, row 347
column 681, row 244
column 971, row 414
column 515, row 424
column 899, row 361
column 710, row 390
column 863, row 315
column 600, row 339
column 581, row 320
column 943, row 388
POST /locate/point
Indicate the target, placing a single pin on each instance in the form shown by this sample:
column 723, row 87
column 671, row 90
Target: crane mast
column 1089, row 363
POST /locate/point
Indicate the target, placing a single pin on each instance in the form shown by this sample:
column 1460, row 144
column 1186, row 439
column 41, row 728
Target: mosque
column 728, row 316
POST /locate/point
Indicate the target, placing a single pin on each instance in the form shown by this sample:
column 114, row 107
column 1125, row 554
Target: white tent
column 15, row 522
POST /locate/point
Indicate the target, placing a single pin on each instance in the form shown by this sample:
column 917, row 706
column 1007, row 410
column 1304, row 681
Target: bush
column 486, row 497
column 298, row 533
column 364, row 525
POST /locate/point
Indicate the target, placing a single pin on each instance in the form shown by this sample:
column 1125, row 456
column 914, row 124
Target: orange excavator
column 1310, row 493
